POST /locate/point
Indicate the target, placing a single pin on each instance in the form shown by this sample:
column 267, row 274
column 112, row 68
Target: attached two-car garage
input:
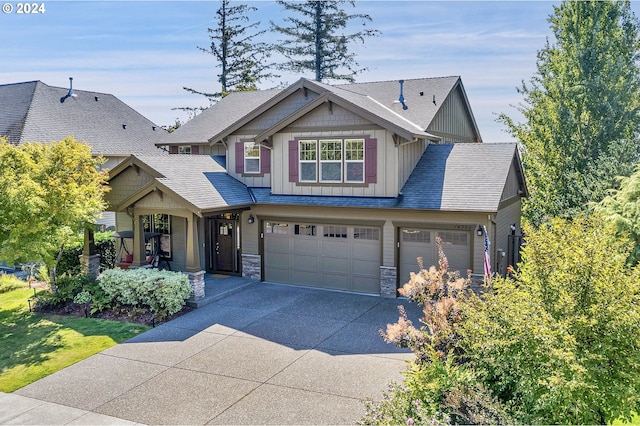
column 323, row 255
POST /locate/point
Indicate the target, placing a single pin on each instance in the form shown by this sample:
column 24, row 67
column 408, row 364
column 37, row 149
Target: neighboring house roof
column 198, row 180
column 451, row 177
column 33, row 112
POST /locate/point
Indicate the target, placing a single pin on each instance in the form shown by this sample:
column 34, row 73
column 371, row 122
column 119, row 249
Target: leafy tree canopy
column 316, row 40
column 48, row 193
column 622, row 206
column 559, row 343
column 581, row 109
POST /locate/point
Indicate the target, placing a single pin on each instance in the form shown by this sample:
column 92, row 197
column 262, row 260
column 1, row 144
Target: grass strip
column 35, row 345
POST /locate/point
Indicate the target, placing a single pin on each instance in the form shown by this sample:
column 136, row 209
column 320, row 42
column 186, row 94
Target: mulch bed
column 122, row 315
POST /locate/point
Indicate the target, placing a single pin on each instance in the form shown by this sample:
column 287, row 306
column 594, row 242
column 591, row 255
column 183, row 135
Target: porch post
column 196, row 275
column 139, row 251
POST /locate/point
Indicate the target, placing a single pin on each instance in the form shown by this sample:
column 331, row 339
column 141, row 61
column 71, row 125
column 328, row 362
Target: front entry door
column 224, row 246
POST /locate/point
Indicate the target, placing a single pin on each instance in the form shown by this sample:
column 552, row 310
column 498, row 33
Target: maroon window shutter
column 265, row 160
column 239, row 157
column 173, row 149
column 293, row 161
column 370, row 160
column 195, row 149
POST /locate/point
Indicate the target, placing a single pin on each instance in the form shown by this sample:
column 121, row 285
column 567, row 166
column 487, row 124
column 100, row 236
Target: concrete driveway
column 266, row 354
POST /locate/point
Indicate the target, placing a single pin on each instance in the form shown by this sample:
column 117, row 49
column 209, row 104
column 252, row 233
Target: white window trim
column 364, row 152
column 318, row 162
column 301, row 162
column 251, row 145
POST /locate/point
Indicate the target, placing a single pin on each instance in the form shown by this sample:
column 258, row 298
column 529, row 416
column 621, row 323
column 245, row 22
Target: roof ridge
column 396, row 80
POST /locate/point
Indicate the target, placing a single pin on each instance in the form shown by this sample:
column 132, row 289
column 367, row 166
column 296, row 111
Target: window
column 251, row 157
column 309, row 230
column 276, row 228
column 416, row 236
column 184, row 149
column 354, row 160
column 331, row 231
column 454, row 238
column 308, row 161
column 331, row 161
column 372, row 234
column 158, row 223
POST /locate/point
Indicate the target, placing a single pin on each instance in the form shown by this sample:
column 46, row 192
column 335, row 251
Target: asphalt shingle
column 33, row 112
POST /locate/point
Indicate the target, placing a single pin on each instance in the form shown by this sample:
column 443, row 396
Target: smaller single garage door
column 416, row 243
column 323, row 255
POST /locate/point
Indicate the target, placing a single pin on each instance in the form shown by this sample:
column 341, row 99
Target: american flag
column 487, row 259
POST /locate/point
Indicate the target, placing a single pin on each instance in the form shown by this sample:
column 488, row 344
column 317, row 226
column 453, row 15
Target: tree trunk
column 52, row 272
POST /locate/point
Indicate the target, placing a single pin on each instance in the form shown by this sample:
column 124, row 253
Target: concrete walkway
column 259, row 353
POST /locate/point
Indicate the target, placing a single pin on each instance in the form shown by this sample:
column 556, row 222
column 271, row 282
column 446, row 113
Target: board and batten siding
column 452, row 121
column 408, row 156
column 386, row 166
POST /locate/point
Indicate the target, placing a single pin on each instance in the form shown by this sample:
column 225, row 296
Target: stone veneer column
column 388, row 278
column 196, row 280
column 90, row 265
column 251, row 266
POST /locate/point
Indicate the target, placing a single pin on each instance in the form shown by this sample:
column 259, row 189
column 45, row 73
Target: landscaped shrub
column 69, row 286
column 164, row 292
column 70, row 260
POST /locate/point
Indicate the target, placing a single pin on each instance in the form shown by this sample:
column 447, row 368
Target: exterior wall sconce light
column 251, row 219
column 513, row 229
column 479, row 231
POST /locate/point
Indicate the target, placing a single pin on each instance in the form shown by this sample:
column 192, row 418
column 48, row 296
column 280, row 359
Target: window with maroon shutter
column 195, row 150
column 371, row 160
column 173, row 149
column 293, row 161
column 240, row 157
column 265, row 160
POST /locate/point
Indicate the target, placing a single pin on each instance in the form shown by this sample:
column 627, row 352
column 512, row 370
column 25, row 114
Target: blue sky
column 144, row 52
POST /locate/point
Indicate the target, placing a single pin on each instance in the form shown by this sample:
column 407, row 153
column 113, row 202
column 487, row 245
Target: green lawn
column 35, row 345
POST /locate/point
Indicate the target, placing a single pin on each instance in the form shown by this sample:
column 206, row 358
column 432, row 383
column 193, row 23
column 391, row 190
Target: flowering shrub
column 438, row 388
column 164, row 292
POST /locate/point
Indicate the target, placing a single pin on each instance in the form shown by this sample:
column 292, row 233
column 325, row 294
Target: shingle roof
column 375, row 99
column 459, row 177
column 32, row 112
column 452, row 177
column 421, row 109
column 219, row 116
column 198, row 179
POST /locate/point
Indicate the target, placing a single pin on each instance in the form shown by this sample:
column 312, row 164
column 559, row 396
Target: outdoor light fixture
column 479, row 231
column 513, row 229
column 251, row 219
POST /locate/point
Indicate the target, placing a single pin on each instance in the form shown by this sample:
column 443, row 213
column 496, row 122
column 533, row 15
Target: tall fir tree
column 243, row 60
column 316, row 40
column 581, row 109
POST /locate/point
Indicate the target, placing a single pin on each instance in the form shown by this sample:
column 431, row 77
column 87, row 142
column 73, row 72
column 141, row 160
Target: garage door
column 322, row 255
column 416, row 243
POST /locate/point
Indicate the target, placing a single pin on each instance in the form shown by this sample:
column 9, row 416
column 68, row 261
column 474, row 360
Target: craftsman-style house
column 333, row 186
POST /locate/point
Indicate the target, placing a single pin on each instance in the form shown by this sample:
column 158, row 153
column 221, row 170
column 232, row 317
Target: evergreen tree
column 243, row 61
column 315, row 39
column 581, row 109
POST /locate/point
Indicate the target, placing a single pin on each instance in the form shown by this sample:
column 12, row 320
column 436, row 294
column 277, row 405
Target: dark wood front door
column 224, row 246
